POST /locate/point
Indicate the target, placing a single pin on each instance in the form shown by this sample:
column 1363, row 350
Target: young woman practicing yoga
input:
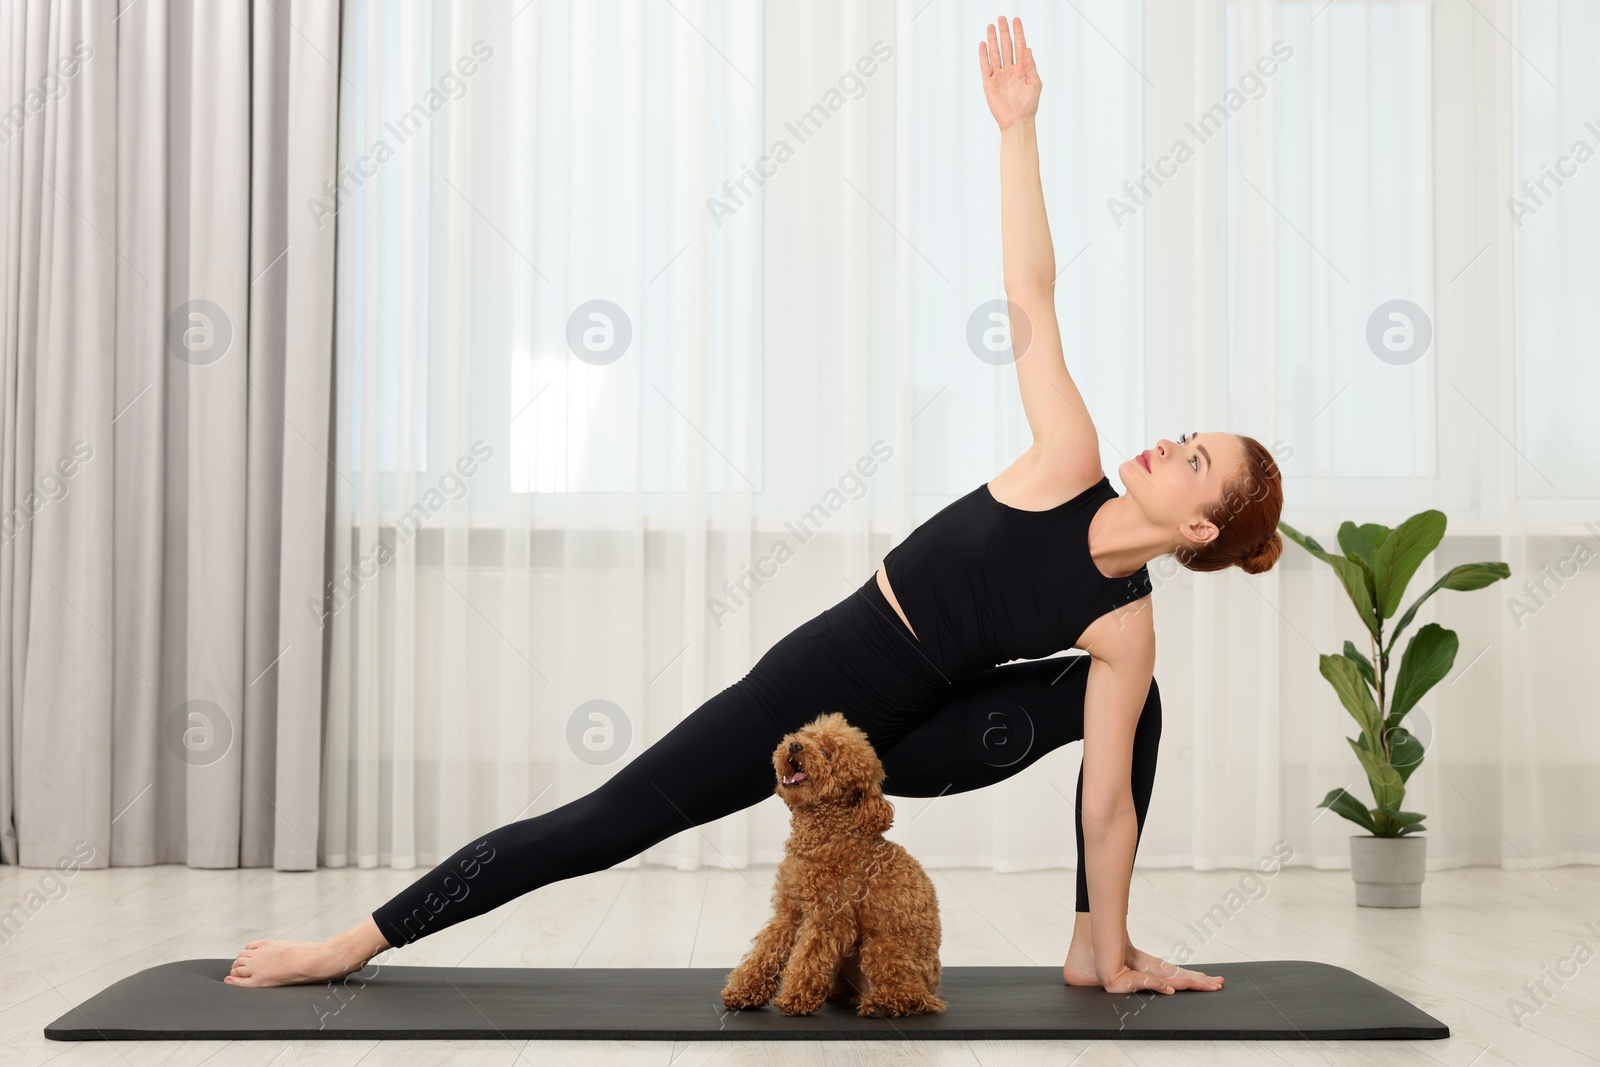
column 1043, row 558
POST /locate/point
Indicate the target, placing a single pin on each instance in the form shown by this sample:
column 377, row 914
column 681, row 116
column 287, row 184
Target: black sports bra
column 984, row 583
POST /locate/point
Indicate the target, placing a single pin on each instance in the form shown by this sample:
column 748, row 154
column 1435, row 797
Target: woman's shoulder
column 1067, row 465
column 1124, row 635
column 1046, row 477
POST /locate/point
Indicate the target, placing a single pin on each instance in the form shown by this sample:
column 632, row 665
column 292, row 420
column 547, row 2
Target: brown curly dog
column 855, row 917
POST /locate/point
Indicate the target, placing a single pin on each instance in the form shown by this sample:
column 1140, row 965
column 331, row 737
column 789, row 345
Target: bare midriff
column 888, row 594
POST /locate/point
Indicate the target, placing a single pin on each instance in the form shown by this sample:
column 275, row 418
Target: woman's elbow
column 1107, row 810
column 1021, row 285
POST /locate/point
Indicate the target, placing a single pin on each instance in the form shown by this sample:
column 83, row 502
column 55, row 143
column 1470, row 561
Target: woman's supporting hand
column 1171, row 973
column 1082, row 970
column 1128, row 980
column 1010, row 80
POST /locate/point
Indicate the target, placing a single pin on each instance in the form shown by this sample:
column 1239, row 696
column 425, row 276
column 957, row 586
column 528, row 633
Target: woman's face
column 1176, row 482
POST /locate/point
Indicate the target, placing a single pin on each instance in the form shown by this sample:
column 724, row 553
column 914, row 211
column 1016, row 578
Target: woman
column 1044, row 557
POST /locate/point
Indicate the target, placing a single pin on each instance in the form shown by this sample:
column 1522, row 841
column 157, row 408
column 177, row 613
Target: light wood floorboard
column 1480, row 934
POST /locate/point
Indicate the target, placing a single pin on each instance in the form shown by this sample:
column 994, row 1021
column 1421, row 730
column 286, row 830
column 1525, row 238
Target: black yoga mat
column 1277, row 1000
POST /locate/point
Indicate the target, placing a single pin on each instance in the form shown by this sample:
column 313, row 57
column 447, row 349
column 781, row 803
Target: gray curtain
column 167, row 308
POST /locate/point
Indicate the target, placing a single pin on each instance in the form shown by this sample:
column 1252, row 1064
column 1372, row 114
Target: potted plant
column 1389, row 860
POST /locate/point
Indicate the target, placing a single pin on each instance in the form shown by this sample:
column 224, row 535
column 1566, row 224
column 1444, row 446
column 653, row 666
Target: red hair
column 1246, row 518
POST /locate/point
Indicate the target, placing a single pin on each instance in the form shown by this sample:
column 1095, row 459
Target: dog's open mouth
column 797, row 777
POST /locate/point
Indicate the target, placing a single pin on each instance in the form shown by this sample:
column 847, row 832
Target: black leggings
column 857, row 657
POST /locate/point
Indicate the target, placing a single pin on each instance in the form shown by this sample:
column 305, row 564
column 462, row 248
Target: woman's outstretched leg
column 853, row 657
column 716, row 761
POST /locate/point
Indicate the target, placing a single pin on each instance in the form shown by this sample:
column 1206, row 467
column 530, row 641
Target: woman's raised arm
column 1057, row 415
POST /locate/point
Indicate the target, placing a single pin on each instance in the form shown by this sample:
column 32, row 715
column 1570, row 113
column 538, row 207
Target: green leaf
column 1466, row 577
column 1305, row 541
column 1387, row 788
column 1346, row 680
column 1397, row 556
column 1359, row 541
column 1406, row 818
column 1351, row 808
column 1352, row 574
column 1363, row 664
column 1405, row 752
column 1428, row 658
column 1417, row 828
column 1354, row 577
column 1463, row 577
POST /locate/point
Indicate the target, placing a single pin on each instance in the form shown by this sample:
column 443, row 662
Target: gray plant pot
column 1388, row 871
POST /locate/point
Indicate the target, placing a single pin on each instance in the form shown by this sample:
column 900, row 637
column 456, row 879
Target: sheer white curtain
column 1306, row 204
column 1537, row 753
column 1377, row 163
column 627, row 290
column 549, row 400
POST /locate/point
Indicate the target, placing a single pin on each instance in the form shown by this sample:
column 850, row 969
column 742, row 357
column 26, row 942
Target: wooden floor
column 1480, row 934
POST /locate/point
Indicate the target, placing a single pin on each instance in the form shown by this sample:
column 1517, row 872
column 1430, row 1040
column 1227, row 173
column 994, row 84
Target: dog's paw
column 793, row 1004
column 893, row 1007
column 740, row 997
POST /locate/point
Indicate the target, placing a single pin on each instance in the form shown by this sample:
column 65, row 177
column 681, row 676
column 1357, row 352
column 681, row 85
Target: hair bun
column 1262, row 559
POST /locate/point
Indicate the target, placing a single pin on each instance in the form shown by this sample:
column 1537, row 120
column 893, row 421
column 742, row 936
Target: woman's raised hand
column 1010, row 80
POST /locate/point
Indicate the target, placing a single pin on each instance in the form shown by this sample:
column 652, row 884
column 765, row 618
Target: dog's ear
column 872, row 813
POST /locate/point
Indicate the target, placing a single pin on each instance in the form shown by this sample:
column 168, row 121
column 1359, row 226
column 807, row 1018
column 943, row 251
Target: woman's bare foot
column 271, row 962
column 1080, row 969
